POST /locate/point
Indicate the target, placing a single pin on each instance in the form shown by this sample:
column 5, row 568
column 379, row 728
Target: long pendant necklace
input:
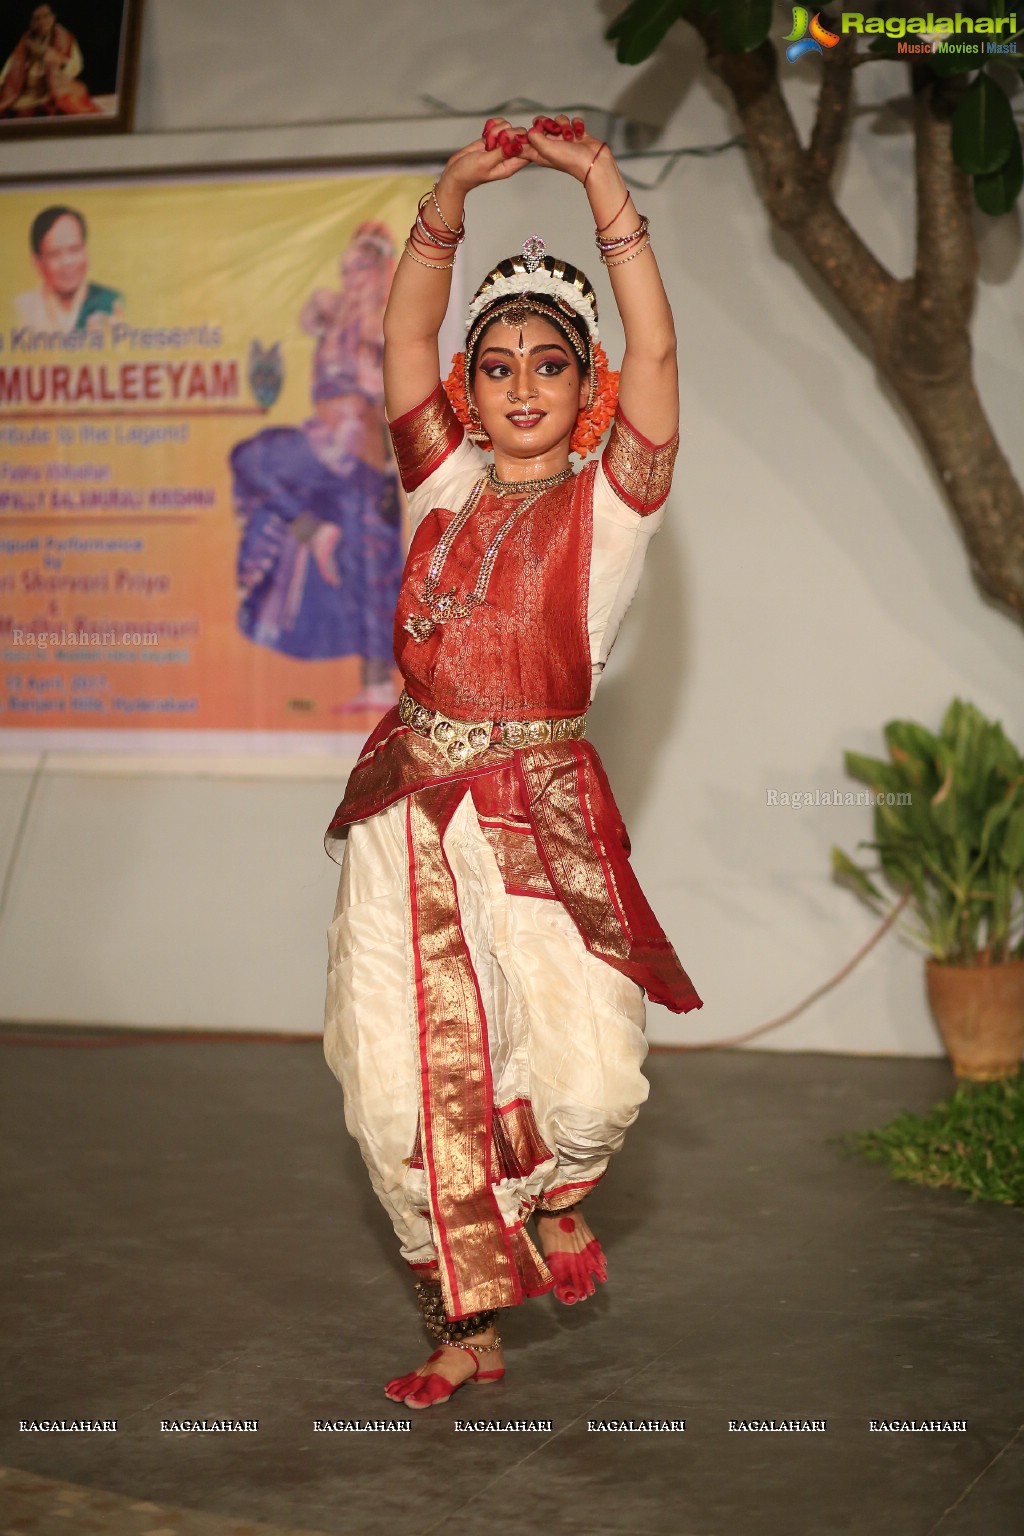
column 443, row 607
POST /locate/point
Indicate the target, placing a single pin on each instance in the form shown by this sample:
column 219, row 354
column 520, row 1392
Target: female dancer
column 491, row 946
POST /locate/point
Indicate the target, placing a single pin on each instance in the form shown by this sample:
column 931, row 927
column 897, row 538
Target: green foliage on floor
column 973, row 1142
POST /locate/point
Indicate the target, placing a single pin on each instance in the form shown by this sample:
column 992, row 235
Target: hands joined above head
column 498, row 134
column 561, row 143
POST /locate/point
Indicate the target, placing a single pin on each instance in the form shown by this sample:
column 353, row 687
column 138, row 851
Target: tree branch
column 794, row 190
column 832, row 116
column 917, row 326
column 946, row 261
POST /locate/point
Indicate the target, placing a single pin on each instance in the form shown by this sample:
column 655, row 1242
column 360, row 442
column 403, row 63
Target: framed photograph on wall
column 68, row 66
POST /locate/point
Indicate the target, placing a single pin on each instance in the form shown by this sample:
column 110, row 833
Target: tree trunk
column 918, row 327
column 979, row 482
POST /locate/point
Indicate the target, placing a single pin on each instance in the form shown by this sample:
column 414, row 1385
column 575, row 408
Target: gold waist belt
column 461, row 740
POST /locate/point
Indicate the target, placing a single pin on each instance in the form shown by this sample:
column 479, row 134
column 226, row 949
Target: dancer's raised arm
column 422, row 282
column 649, row 380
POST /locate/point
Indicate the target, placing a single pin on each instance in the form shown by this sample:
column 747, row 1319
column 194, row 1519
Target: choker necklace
column 519, row 487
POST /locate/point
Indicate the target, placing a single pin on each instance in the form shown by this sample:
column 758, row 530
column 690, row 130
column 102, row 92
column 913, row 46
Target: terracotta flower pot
column 979, row 1010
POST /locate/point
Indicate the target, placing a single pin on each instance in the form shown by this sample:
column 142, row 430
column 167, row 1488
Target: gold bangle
column 433, row 236
column 621, row 262
column 435, row 266
column 613, row 243
column 461, row 231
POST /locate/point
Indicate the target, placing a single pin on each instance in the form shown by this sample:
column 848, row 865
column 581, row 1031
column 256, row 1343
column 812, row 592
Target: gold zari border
column 424, row 437
column 640, row 472
column 480, row 1266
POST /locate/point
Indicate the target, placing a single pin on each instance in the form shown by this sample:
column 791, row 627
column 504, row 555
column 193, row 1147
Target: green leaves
column 984, row 132
column 945, row 62
column 997, row 192
column 972, row 1142
column 744, row 24
column 948, row 829
column 641, row 26
column 1012, row 851
column 986, row 140
column 846, row 872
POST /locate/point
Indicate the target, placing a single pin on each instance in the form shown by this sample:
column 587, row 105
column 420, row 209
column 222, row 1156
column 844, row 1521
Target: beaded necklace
column 443, row 607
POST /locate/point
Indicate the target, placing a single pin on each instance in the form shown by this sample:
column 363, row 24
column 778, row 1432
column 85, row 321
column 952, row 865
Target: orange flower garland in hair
column 592, row 422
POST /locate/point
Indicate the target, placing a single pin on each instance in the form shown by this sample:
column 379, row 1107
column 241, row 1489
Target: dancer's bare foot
column 572, row 1253
column 445, row 1371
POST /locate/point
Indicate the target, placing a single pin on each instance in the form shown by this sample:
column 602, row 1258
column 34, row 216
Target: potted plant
column 949, row 835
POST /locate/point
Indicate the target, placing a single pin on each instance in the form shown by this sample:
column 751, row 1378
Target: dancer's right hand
column 492, row 157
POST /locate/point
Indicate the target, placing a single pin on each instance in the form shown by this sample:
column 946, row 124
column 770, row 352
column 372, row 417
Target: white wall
column 808, row 586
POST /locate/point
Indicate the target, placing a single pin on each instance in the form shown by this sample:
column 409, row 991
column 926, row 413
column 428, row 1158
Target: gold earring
column 476, row 431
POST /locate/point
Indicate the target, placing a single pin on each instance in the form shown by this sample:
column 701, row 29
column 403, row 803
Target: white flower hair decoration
column 533, row 271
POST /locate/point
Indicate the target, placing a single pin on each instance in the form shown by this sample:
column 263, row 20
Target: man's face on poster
column 42, row 20
column 63, row 260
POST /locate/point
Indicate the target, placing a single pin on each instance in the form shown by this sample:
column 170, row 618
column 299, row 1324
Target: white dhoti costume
column 490, row 948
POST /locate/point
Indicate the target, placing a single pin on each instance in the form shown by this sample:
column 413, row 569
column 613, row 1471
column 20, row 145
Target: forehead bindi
column 530, row 337
column 537, row 330
column 534, row 329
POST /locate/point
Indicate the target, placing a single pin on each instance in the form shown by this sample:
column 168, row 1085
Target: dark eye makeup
column 548, row 368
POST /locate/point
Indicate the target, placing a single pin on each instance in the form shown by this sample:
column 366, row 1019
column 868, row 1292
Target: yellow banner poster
column 201, row 526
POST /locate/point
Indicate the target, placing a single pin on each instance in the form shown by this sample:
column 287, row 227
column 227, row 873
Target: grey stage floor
column 189, row 1233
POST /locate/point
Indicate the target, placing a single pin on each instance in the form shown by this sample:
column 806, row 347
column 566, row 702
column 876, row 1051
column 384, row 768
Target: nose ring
column 517, row 399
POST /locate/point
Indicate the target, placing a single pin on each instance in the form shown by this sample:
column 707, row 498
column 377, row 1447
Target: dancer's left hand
column 561, row 143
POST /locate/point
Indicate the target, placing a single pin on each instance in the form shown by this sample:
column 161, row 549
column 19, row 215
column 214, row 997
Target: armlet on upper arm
column 424, row 437
column 640, row 471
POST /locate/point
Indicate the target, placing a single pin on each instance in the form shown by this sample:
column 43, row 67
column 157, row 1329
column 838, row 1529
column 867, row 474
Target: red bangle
column 421, row 245
column 432, row 229
column 611, row 221
column 593, row 162
column 434, row 236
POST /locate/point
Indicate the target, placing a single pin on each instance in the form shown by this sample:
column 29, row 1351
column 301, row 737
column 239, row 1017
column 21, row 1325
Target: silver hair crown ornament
column 533, row 252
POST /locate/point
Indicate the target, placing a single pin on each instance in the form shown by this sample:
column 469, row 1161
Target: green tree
column 966, row 143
